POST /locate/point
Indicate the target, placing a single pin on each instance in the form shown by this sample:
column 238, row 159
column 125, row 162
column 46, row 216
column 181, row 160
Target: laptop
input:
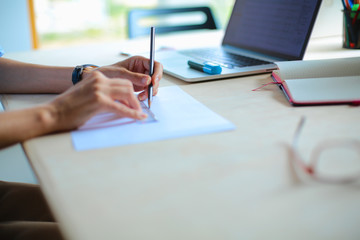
column 259, row 33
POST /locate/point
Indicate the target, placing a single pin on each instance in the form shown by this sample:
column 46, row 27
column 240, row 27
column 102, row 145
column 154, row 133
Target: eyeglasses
column 332, row 161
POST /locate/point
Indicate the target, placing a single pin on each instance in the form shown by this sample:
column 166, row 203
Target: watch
column 78, row 70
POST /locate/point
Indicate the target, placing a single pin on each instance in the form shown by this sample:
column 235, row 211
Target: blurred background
column 59, row 23
column 49, row 24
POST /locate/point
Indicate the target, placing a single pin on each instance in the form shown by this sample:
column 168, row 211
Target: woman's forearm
column 18, row 126
column 18, row 77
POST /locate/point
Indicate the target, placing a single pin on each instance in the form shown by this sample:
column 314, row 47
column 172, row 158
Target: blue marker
column 206, row 67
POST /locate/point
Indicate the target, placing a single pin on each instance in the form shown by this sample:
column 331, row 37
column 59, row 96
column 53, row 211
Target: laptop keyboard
column 223, row 58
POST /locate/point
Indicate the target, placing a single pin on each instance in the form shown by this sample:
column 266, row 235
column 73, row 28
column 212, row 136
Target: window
column 73, row 22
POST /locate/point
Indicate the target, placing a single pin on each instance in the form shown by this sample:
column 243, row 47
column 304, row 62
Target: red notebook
column 314, row 82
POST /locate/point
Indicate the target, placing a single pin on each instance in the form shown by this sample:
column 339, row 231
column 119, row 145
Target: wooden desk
column 230, row 185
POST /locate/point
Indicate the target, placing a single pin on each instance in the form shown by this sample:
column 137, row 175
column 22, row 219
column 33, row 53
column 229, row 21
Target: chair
column 158, row 16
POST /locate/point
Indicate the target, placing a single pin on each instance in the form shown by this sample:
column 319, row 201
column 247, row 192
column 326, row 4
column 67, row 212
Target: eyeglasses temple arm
column 298, row 131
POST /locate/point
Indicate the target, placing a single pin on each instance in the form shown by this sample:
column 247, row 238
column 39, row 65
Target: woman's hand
column 135, row 69
column 109, row 88
column 96, row 93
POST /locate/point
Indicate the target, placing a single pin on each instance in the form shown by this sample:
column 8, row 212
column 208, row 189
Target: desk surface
column 230, row 185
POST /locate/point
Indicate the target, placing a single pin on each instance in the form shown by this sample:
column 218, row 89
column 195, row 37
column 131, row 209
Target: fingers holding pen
column 155, row 80
column 136, row 69
column 142, row 80
column 99, row 93
column 158, row 74
column 104, row 90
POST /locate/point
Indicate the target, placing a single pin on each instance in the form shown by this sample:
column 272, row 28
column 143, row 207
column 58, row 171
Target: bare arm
column 19, row 77
column 18, row 126
column 96, row 93
column 71, row 109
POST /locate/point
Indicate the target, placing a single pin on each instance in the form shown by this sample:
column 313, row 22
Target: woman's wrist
column 86, row 72
column 48, row 118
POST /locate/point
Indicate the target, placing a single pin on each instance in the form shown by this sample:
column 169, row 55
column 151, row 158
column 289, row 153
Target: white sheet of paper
column 177, row 113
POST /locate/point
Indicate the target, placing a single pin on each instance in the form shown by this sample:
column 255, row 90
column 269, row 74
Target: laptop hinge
column 252, row 54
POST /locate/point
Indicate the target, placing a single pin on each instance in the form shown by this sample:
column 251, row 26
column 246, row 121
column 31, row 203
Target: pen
column 206, row 67
column 356, row 8
column 152, row 56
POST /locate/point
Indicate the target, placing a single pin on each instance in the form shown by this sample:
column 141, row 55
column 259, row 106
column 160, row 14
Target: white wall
column 15, row 32
column 329, row 19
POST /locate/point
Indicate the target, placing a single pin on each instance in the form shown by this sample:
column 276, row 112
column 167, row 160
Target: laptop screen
column 279, row 28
